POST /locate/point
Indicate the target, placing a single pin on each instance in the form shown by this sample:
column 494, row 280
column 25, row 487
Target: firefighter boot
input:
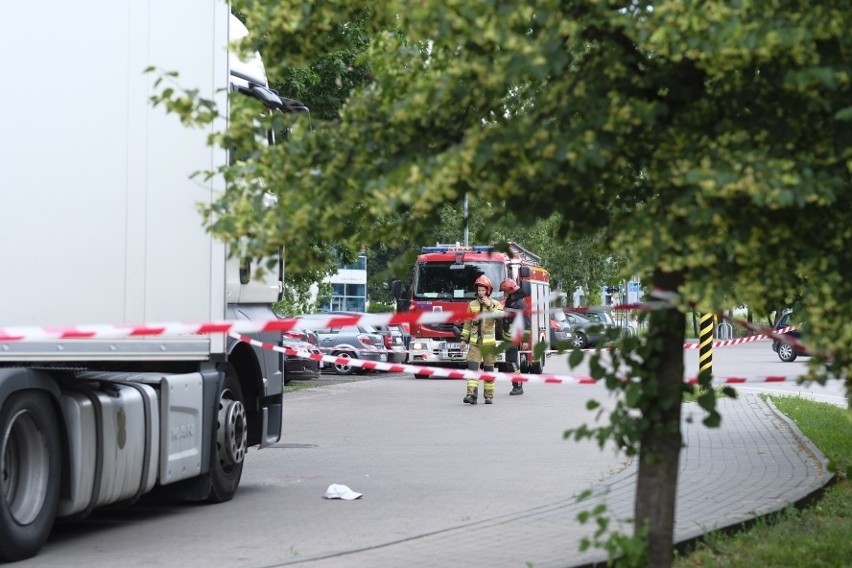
column 472, row 392
column 517, row 388
column 489, row 391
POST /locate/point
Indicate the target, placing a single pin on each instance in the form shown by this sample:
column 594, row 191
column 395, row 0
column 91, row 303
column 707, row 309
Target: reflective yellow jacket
column 481, row 329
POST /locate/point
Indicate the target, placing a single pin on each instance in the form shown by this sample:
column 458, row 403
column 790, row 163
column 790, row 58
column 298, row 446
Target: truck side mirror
column 524, row 271
column 396, row 289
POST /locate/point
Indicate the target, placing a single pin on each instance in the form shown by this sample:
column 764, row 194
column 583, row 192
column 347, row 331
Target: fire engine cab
column 444, row 275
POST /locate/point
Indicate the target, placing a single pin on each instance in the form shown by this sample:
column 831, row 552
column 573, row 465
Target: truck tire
column 30, row 476
column 536, row 367
column 231, row 440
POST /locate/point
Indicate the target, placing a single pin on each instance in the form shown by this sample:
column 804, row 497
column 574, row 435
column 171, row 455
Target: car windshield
column 446, row 281
column 599, row 317
column 559, row 316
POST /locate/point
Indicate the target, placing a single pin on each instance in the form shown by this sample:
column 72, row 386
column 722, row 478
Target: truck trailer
column 101, row 226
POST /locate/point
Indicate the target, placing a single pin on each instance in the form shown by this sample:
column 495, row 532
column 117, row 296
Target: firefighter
column 478, row 334
column 514, row 301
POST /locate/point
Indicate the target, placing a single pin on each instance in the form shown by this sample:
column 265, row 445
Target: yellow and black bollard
column 705, row 345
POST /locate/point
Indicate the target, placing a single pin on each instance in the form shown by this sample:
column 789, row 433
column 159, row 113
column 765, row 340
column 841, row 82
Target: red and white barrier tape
column 465, row 374
column 423, row 371
column 454, row 314
column 729, row 342
column 451, row 314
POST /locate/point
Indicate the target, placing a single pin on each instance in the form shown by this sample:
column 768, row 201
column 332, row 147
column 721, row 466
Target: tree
column 708, row 142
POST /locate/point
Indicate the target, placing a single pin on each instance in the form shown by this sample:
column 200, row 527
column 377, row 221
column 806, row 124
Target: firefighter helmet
column 509, row 286
column 483, row 280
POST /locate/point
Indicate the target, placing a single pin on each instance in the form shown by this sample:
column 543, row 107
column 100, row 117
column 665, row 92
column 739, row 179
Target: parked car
column 787, row 352
column 361, row 341
column 306, row 335
column 395, row 342
column 561, row 333
column 603, row 318
column 300, row 367
column 587, row 333
column 392, row 338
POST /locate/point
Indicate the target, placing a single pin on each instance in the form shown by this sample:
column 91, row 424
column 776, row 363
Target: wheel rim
column 232, row 434
column 786, row 351
column 340, row 368
column 25, row 467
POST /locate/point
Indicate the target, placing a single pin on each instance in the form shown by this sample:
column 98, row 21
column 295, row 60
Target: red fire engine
column 444, row 275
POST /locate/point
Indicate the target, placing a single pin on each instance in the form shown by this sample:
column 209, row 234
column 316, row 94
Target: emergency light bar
column 456, row 249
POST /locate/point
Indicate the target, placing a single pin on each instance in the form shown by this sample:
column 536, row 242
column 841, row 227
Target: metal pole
column 465, row 220
column 705, row 344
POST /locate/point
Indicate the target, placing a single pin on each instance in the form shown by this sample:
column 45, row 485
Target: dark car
column 602, row 318
column 300, row 367
column 361, row 341
column 296, row 367
column 306, row 335
column 587, row 333
column 787, row 352
column 561, row 333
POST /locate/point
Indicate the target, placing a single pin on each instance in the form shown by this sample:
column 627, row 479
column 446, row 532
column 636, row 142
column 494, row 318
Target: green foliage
column 694, row 140
column 622, row 551
column 379, row 308
column 298, row 298
column 705, row 143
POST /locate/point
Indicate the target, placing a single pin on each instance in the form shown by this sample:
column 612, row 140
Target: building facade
column 349, row 287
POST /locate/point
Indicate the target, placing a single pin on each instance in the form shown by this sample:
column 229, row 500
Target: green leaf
column 713, row 420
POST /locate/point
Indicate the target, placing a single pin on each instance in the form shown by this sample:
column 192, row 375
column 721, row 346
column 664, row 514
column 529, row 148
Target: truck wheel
column 29, row 474
column 523, row 364
column 231, row 440
column 538, row 366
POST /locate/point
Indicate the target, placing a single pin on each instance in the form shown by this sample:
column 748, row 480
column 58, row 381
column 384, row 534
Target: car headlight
column 419, row 345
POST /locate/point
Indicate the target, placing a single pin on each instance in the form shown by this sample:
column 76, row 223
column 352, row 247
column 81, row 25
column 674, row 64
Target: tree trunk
column 659, row 451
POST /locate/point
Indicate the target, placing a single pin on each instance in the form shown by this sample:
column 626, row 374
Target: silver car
column 361, row 341
column 395, row 343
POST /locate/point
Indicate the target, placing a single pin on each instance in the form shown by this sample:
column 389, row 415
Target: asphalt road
column 426, row 463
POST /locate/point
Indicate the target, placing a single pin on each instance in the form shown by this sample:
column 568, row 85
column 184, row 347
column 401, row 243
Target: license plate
column 383, row 357
column 452, row 345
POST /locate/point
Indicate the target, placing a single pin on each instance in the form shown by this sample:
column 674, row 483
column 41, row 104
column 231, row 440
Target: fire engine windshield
column 446, row 281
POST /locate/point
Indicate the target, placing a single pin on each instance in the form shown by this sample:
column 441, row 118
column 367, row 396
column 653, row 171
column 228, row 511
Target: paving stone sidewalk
column 756, row 463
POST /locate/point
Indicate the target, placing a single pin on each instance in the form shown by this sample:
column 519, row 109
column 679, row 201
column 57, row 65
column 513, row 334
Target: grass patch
column 816, row 536
column 299, row 385
column 721, row 392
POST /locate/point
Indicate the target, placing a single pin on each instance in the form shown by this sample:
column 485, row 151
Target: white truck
column 100, row 225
